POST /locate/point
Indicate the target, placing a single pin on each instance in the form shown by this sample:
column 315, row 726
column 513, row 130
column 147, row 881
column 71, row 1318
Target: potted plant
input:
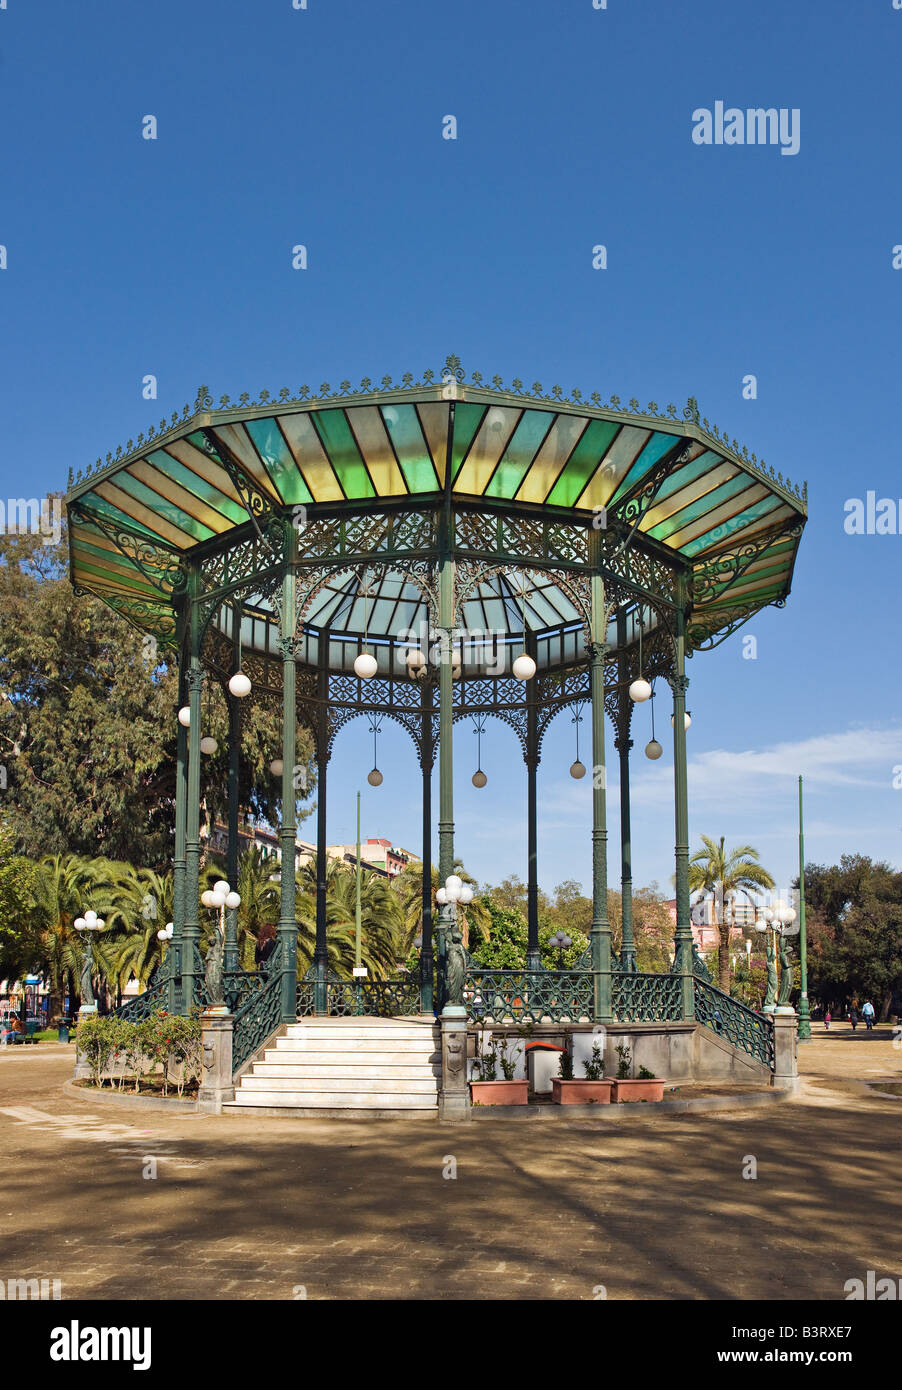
column 645, row 1086
column 485, row 1089
column 592, row 1090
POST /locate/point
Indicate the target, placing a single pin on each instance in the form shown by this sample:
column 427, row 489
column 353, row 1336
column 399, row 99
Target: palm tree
column 409, row 888
column 381, row 919
column 725, row 875
column 63, row 886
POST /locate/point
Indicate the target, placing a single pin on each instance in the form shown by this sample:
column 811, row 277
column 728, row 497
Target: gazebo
column 431, row 552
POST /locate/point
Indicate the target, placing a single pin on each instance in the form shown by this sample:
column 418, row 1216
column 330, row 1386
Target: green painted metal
column 743, row 1027
column 230, row 951
column 683, row 938
column 446, row 765
column 258, row 1018
column 179, row 863
column 804, row 1004
column 640, row 997
column 533, row 954
column 191, row 928
column 374, row 998
column 623, row 743
column 427, row 956
column 287, row 930
column 600, row 938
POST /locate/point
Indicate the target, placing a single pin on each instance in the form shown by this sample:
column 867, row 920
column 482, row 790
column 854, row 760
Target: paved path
column 654, row 1207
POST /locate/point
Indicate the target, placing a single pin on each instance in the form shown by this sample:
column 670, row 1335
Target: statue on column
column 770, row 997
column 87, row 962
column 213, row 969
column 455, row 967
column 787, row 975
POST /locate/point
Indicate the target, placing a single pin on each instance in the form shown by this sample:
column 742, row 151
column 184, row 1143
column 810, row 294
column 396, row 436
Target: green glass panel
column 519, row 454
column 688, row 474
column 582, row 463
column 112, row 578
column 655, row 449
column 167, row 510
column 277, row 459
column 467, row 419
column 403, row 425
column 341, row 447
column 735, row 523
column 199, row 487
column 698, row 509
column 116, row 514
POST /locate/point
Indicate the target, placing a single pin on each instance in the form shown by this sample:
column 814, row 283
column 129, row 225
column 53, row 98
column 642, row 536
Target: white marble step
column 425, row 1085
column 369, row 1043
column 391, row 1071
column 330, row 1100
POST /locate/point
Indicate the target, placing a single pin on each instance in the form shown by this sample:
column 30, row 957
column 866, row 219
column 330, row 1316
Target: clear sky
column 323, row 126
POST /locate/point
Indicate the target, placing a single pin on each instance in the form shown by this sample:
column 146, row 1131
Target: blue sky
column 323, row 126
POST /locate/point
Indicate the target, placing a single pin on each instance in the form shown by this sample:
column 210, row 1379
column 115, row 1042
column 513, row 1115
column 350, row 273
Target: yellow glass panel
column 486, row 449
column 434, row 417
column 562, row 439
column 203, row 465
column 687, row 495
column 378, row 455
column 614, row 467
column 239, row 441
column 707, row 522
column 173, row 492
column 304, row 443
column 152, row 520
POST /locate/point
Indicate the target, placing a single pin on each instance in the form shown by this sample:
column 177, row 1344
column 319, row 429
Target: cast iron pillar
column 190, row 953
column 533, row 954
column 288, row 930
column 600, row 941
column 427, row 756
column 679, row 684
column 179, row 863
column 230, row 952
column 804, row 1005
column 623, row 743
column 320, row 951
column 445, row 763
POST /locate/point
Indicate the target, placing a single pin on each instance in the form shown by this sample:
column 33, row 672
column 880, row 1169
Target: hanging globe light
column 365, row 666
column 479, row 778
column 640, row 690
column 185, row 716
column 208, row 744
column 415, row 661
column 577, row 770
column 687, row 720
column 375, row 778
column 653, row 749
column 524, row 668
column 276, row 767
column 240, row 685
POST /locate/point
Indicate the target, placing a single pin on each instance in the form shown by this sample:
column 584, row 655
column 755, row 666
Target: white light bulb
column 577, row 770
column 366, row 666
column 239, row 685
column 653, row 749
column 479, row 778
column 440, row 897
column 640, row 690
column 687, row 720
column 276, row 767
column 222, row 886
column 453, row 881
column 466, row 894
column 524, row 668
column 233, row 900
column 217, row 899
column 90, row 918
column 79, row 924
column 208, row 745
column 185, row 716
column 207, row 897
column 374, row 778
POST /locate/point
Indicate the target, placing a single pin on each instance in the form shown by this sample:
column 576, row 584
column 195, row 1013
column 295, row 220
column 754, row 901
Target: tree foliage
column 854, row 925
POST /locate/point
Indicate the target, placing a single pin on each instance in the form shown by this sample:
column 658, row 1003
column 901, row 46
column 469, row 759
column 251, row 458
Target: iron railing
column 374, row 998
column 257, row 1019
column 646, row 998
column 529, row 996
column 751, row 1032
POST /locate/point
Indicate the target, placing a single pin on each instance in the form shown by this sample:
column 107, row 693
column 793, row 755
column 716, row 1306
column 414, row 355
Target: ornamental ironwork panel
column 143, row 1005
column 646, row 998
column 305, row 999
column 529, row 996
column 257, row 1019
column 374, row 998
column 746, row 1029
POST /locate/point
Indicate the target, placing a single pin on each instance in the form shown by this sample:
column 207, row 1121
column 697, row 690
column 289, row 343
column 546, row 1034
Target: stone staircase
column 336, row 1065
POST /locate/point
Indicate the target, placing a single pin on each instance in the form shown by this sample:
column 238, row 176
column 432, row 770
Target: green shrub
column 624, row 1066
column 565, row 1065
column 94, row 1039
column 594, row 1068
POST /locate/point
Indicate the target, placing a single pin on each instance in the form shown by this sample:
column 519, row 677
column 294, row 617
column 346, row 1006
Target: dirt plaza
column 653, row 1207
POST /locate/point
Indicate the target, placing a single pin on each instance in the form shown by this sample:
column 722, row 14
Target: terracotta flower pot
column 499, row 1092
column 638, row 1090
column 580, row 1092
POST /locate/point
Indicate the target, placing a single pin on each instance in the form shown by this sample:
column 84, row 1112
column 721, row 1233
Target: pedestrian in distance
column 828, row 1019
column 867, row 1013
column 853, row 1017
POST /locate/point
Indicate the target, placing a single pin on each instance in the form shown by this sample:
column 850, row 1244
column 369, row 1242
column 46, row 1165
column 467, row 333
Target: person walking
column 867, row 1013
column 853, row 1017
column 828, row 1019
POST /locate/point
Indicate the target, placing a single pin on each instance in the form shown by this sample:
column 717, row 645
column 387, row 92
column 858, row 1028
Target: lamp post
column 218, row 898
column 86, row 926
column 779, row 920
column 562, row 942
column 453, row 892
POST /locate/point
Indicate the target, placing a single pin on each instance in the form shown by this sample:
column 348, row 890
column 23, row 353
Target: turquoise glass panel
column 701, row 507
column 735, row 523
column 467, row 419
column 277, row 459
column 167, row 510
column 654, row 450
column 105, row 508
column 197, row 486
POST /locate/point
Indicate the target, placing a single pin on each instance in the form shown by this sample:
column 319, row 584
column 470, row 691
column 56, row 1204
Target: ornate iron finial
column 691, row 410
column 453, row 368
column 203, row 400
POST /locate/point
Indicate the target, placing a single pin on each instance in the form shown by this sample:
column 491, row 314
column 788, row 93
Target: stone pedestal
column 454, row 1097
column 216, row 1071
column 83, row 1070
column 786, row 1070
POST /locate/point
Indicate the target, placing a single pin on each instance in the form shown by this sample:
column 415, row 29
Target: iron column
column 804, row 1006
column 533, row 954
column 427, row 753
column 623, row 743
column 191, row 975
column 679, row 684
column 288, row 953
column 601, row 927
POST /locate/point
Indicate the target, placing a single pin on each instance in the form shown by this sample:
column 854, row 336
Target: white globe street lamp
column 240, row 685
